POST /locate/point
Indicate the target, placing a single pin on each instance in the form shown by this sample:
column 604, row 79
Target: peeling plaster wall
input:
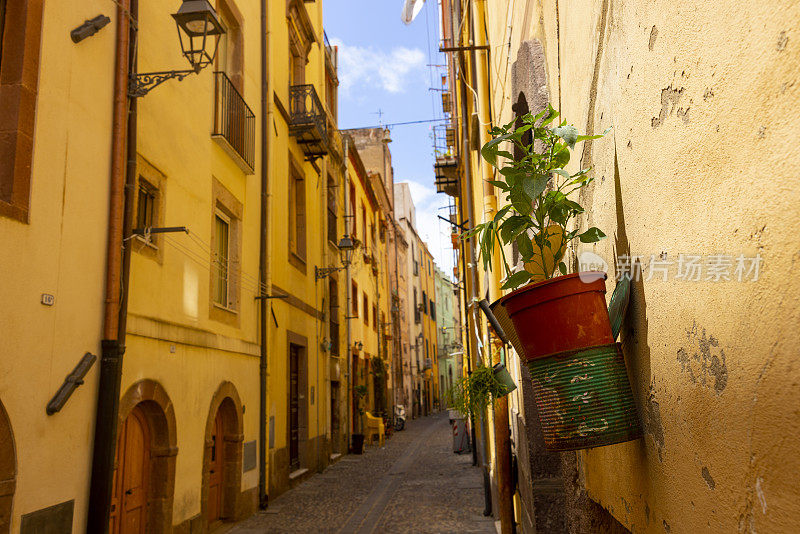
column 703, row 100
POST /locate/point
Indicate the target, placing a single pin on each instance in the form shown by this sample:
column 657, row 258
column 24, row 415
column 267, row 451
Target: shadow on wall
column 634, row 332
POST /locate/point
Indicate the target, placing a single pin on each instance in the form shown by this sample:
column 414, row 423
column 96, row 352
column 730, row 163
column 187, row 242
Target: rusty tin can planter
column 584, row 398
column 561, row 314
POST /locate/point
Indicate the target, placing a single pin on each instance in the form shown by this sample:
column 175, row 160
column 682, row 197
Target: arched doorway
column 222, row 460
column 131, row 476
column 144, row 473
column 8, row 471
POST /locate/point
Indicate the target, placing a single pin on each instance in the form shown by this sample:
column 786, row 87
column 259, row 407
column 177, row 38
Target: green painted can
column 502, row 375
column 584, row 398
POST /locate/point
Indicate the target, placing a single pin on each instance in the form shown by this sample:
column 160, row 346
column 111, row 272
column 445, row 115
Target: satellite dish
column 411, row 9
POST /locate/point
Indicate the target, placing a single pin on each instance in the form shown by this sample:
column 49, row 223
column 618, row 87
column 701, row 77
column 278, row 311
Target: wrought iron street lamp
column 346, row 246
column 198, row 25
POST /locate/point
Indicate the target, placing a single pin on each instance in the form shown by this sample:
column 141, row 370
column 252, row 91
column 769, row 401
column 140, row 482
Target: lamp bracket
column 320, row 273
column 140, row 84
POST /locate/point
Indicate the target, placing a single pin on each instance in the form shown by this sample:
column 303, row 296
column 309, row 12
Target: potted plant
column 560, row 320
column 474, row 392
column 358, row 438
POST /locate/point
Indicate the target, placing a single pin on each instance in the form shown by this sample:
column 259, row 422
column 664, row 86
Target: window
column 19, row 85
column 222, row 225
column 297, row 67
column 297, row 216
column 226, row 251
column 433, row 311
column 363, row 223
column 333, row 229
column 353, row 213
column 424, row 303
column 366, row 310
column 333, row 315
column 230, row 51
column 331, row 89
column 148, row 208
column 2, row 24
column 354, row 299
column 301, row 37
column 374, row 317
column 146, row 202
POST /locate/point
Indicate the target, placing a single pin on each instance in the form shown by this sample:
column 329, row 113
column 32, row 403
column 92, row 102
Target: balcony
column 446, row 169
column 308, row 121
column 234, row 124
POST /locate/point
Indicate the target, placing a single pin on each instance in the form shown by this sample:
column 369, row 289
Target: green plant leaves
column 568, row 133
column 490, row 150
column 516, row 279
column 521, row 201
column 534, row 185
column 591, row 235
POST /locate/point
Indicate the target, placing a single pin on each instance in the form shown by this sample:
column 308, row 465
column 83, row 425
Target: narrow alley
column 413, row 484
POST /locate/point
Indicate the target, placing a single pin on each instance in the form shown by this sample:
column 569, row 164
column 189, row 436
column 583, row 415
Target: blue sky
column 383, row 65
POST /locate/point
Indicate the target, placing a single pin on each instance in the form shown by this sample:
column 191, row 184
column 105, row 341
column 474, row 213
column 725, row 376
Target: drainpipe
column 107, row 410
column 502, row 438
column 265, row 305
column 348, row 307
column 467, row 190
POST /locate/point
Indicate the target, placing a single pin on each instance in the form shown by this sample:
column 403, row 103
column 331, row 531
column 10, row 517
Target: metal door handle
column 129, row 492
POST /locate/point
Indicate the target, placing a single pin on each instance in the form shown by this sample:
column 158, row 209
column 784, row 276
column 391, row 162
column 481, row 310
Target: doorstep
column 297, row 473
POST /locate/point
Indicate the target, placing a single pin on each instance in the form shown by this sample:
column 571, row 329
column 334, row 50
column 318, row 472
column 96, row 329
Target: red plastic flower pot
column 561, row 314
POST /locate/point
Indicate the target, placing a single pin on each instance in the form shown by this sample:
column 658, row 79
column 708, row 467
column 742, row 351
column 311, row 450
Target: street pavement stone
column 413, row 484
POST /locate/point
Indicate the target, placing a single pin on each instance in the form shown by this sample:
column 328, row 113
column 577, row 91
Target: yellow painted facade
column 693, row 101
column 190, row 390
column 58, row 250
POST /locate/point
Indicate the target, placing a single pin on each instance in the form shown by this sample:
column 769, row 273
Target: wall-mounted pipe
column 89, row 28
column 71, row 383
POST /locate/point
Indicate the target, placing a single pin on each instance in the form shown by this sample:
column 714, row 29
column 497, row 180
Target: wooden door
column 335, row 416
column 216, row 471
column 129, row 500
column 294, row 408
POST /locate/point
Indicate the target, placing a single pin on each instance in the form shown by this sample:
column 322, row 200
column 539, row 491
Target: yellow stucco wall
column 701, row 160
column 61, row 251
column 172, row 336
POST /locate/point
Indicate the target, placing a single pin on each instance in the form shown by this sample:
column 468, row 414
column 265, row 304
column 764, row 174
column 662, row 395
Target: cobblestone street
column 414, row 484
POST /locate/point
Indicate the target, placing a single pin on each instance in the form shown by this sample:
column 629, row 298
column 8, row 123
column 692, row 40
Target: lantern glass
column 198, row 21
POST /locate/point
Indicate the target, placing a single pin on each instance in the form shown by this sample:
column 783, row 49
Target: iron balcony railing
column 233, row 119
column 308, row 120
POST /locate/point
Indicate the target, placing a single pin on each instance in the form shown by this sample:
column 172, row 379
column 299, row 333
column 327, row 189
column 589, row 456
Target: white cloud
column 360, row 65
column 420, row 193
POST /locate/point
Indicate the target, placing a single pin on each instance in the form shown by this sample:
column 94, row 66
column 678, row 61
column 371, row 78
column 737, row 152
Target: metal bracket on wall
column 451, row 223
column 164, row 230
column 71, row 383
column 141, row 84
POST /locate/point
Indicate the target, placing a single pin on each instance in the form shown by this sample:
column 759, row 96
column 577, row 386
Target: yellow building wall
column 693, row 101
column 60, row 251
column 172, row 337
column 301, row 314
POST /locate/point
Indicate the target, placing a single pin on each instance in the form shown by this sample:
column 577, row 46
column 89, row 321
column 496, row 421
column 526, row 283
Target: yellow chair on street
column 374, row 426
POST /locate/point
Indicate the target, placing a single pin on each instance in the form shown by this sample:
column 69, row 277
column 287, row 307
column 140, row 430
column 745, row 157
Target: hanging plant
column 473, row 393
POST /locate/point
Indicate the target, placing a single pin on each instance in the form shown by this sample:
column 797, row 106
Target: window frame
column 297, row 213
column 149, row 177
column 19, row 85
column 226, row 204
column 220, row 215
